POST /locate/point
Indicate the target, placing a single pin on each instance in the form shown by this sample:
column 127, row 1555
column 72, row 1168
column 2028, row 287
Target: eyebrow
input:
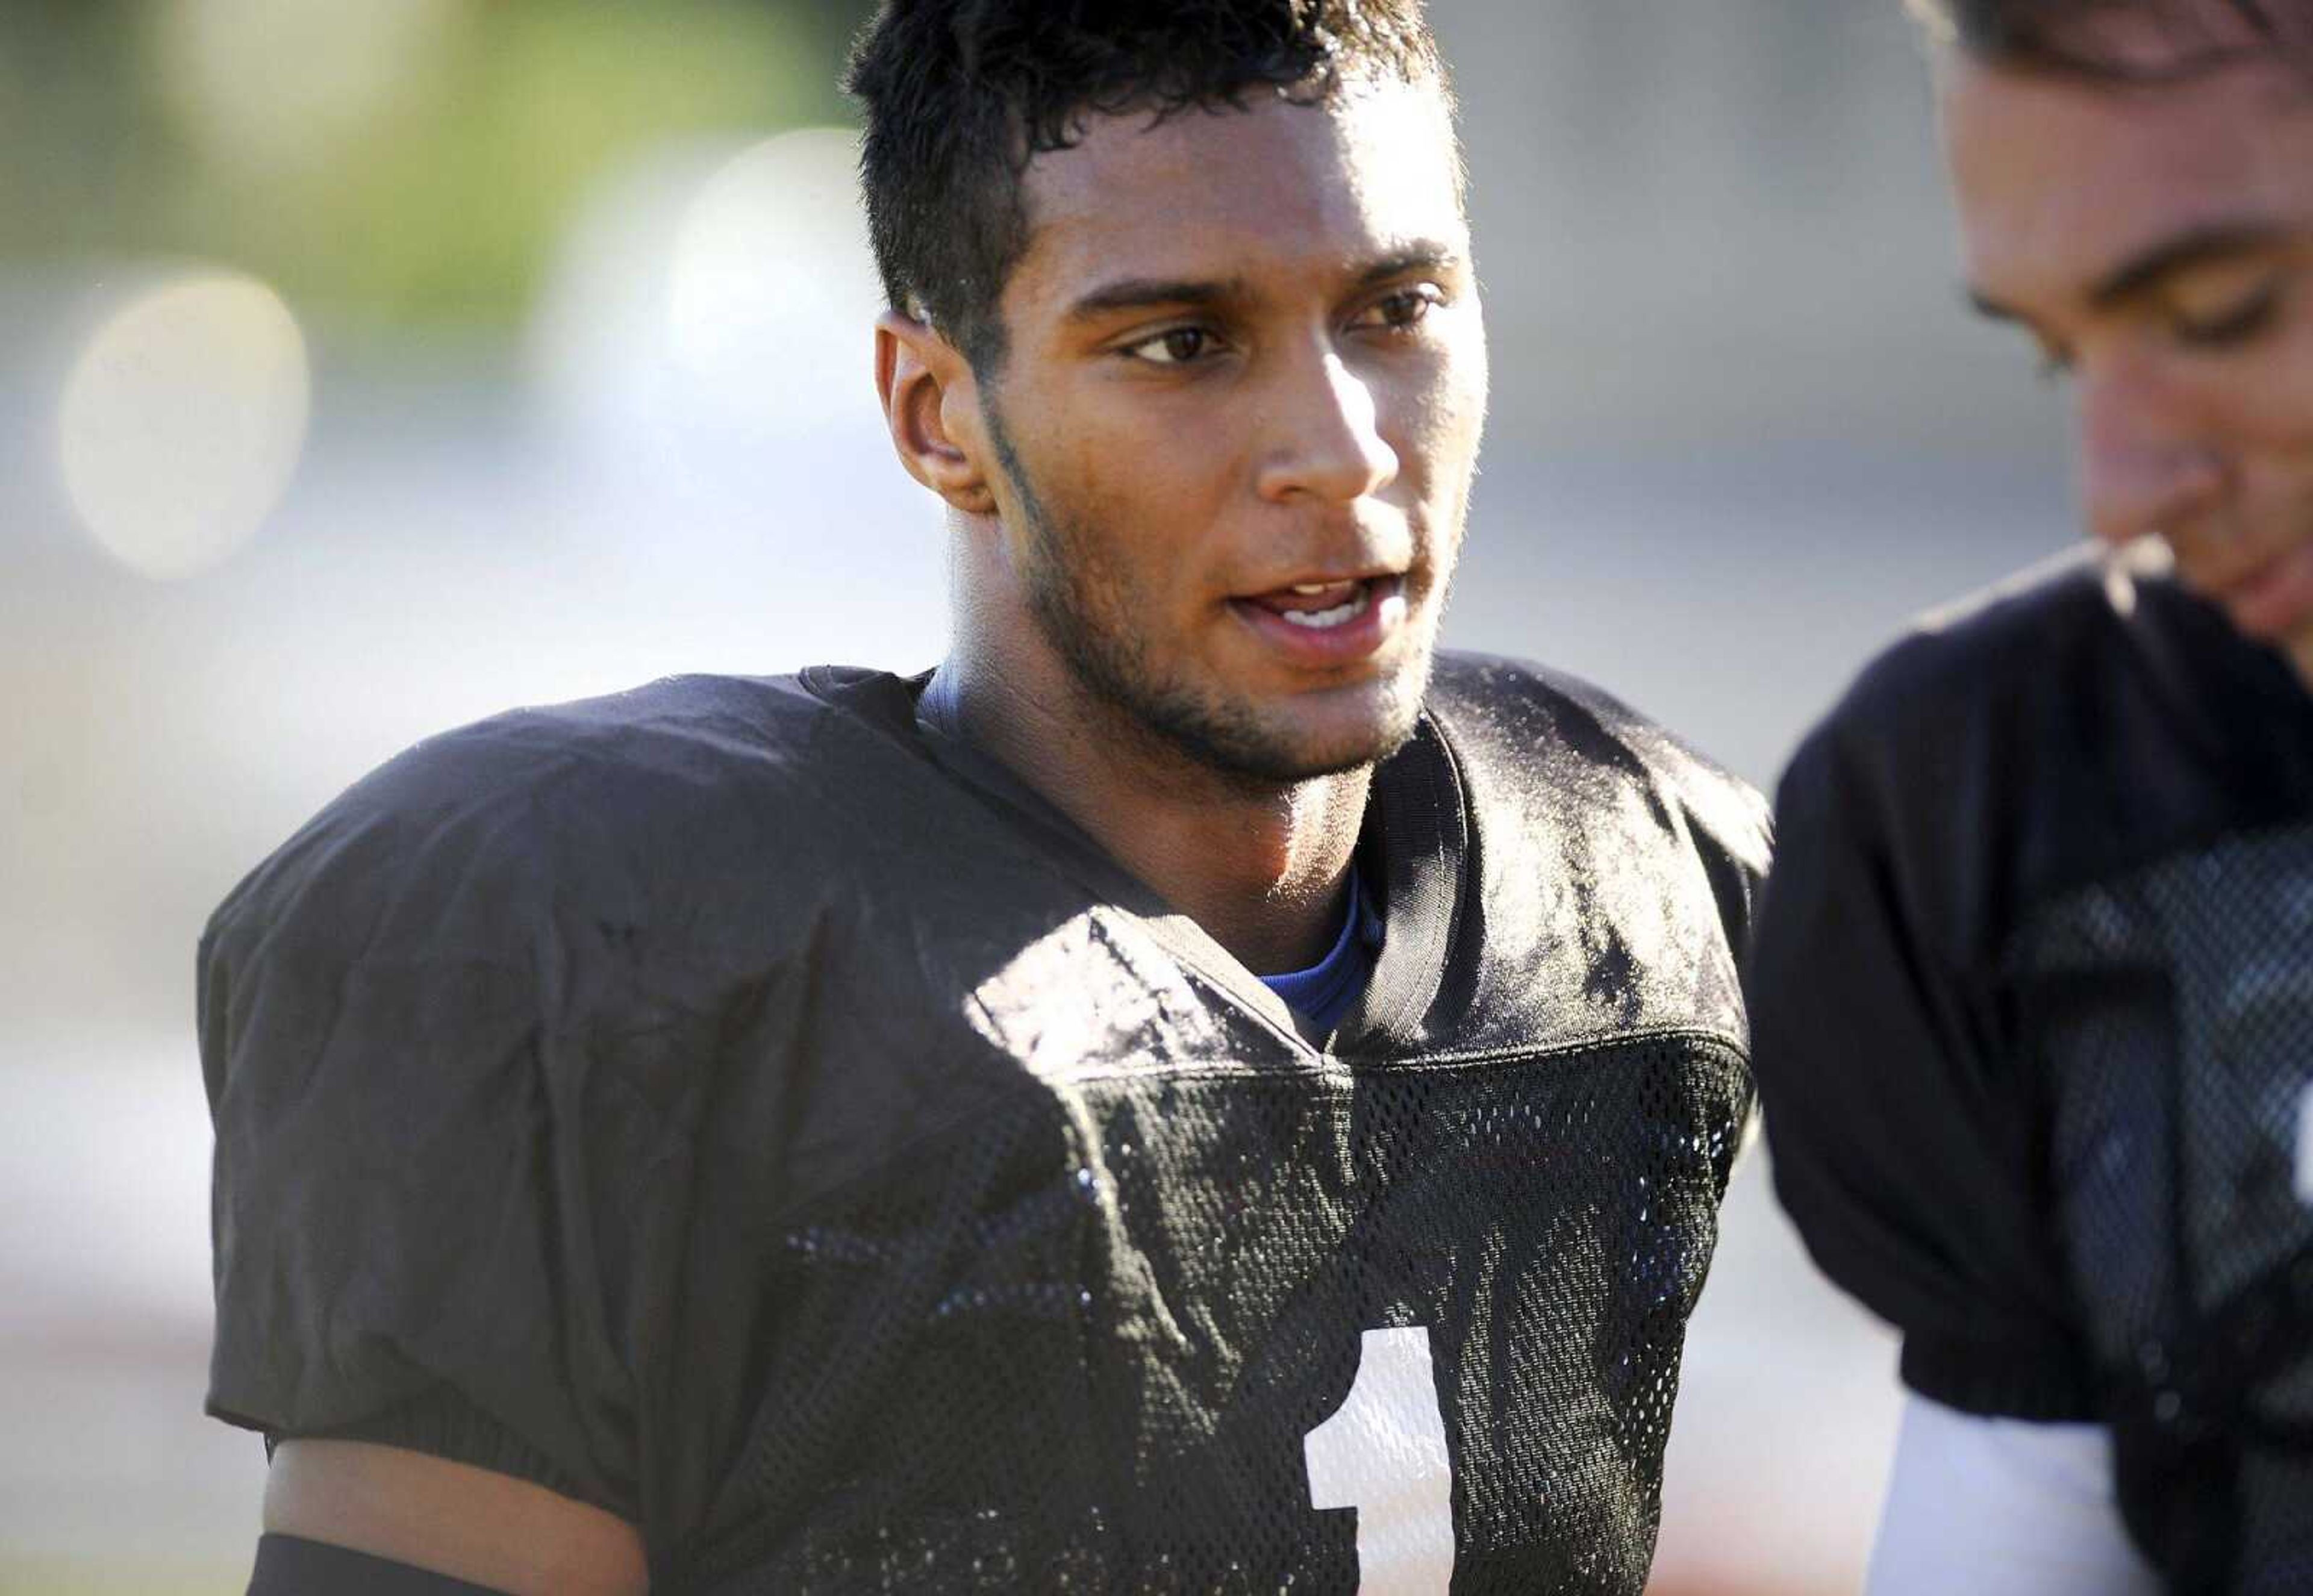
column 1424, row 255
column 1142, row 294
column 2149, row 268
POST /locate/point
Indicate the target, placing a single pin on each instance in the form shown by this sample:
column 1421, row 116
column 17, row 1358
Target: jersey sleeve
column 1901, row 1120
column 425, row 1192
column 288, row 1566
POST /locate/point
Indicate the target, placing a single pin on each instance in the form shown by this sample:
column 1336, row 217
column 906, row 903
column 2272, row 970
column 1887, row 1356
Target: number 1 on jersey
column 1384, row 1453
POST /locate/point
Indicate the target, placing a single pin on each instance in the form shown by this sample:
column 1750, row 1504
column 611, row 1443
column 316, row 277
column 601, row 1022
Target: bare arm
column 1999, row 1507
column 488, row 1528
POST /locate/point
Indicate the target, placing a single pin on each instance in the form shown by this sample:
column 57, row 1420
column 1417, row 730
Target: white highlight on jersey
column 2305, row 1147
column 1384, row 1453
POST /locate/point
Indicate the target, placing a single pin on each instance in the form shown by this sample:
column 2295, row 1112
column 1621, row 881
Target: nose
column 2145, row 465
column 1325, row 438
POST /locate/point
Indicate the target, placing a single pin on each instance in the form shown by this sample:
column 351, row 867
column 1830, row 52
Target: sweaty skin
column 1245, row 355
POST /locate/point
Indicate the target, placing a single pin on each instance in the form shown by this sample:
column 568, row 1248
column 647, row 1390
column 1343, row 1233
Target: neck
column 1262, row 867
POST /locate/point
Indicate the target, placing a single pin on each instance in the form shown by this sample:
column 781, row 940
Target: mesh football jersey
column 2034, row 999
column 783, row 1129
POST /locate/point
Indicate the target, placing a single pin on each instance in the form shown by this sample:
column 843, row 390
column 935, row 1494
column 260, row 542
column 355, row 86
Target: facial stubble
column 1084, row 613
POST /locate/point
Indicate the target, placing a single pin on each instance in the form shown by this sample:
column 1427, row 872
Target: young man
column 2033, row 988
column 850, row 1133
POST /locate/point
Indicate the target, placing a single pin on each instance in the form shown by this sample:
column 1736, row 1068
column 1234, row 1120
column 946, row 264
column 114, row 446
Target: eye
column 1176, row 346
column 2236, row 320
column 1401, row 309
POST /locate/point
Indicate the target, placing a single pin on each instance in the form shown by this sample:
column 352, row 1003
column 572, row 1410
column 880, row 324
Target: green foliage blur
column 409, row 162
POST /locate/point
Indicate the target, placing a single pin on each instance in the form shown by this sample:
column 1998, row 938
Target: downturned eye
column 2235, row 323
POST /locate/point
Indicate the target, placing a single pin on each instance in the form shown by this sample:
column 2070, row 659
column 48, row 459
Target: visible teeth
column 1322, row 619
column 1311, row 587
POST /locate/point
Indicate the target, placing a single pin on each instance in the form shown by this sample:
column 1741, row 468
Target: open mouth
column 1319, row 606
column 1328, row 622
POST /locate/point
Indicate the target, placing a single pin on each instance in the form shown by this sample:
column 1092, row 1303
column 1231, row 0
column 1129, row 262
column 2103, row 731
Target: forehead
column 1274, row 186
column 2059, row 181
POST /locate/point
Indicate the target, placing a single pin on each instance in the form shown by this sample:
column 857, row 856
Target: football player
column 1200, row 1093
column 2033, row 985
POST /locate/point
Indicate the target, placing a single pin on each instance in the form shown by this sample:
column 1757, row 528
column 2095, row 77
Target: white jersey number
column 1384, row 1454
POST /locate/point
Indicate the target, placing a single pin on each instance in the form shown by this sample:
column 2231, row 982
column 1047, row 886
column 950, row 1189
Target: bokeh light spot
column 223, row 60
column 712, row 320
column 773, row 293
column 182, row 422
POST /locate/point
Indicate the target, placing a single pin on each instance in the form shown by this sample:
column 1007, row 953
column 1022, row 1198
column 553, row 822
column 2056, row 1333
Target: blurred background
column 370, row 365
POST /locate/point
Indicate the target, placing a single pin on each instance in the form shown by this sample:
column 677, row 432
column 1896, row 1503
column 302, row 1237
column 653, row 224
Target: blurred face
column 2158, row 242
column 1238, row 420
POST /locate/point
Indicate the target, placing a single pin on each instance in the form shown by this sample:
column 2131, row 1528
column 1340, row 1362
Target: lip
column 1357, row 638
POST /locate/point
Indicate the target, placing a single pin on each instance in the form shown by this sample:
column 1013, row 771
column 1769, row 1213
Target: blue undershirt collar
column 1327, row 990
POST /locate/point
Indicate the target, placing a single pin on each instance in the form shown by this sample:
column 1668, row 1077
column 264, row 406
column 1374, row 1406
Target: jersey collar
column 1415, row 850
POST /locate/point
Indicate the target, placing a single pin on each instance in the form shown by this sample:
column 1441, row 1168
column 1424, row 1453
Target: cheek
column 1133, row 513
column 1112, row 469
column 2265, row 408
column 1463, row 397
column 1441, row 417
column 1156, row 496
column 2292, row 405
column 1181, row 448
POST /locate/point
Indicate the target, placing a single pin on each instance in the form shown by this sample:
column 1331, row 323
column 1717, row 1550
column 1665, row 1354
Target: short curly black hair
column 960, row 95
column 2064, row 36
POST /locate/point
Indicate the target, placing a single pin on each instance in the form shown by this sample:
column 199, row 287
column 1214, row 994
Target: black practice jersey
column 738, row 1104
column 2033, row 992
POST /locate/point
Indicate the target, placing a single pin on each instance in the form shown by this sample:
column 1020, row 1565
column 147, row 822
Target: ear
column 931, row 403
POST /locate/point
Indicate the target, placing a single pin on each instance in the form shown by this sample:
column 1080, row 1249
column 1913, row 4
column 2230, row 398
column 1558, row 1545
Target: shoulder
column 1976, row 694
column 1544, row 731
column 2012, row 672
column 670, row 744
column 2082, row 713
column 1943, row 769
column 512, row 972
column 632, row 797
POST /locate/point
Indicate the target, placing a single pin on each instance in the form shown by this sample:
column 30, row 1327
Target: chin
column 1304, row 741
column 1261, row 739
column 1316, row 758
